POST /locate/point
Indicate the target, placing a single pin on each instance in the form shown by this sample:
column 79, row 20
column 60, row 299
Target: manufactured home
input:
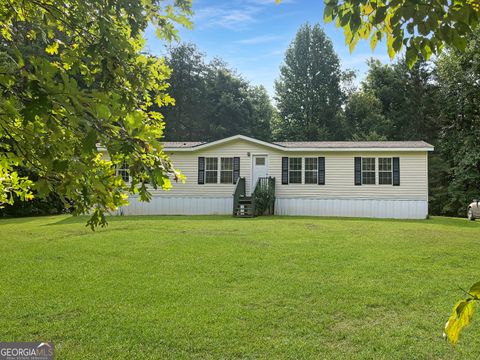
column 383, row 179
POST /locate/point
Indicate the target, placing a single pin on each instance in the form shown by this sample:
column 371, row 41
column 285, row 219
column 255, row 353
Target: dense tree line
column 433, row 101
column 314, row 100
column 437, row 102
column 212, row 101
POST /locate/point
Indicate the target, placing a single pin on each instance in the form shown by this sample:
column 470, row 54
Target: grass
column 218, row 287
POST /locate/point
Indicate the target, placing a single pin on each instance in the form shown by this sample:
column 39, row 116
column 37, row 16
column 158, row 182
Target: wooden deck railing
column 239, row 191
column 263, row 196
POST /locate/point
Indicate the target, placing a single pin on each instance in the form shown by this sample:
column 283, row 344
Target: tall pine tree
column 308, row 92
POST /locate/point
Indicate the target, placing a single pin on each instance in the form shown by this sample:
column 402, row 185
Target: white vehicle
column 473, row 210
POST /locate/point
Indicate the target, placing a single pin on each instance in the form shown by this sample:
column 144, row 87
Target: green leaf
column 52, row 48
column 42, row 187
column 422, row 28
column 355, row 22
column 460, row 42
column 89, row 141
column 390, row 49
column 397, row 44
column 411, row 56
column 446, row 34
column 461, row 317
column 345, row 19
column 426, row 50
column 60, row 165
column 373, row 41
column 328, row 13
column 103, row 111
column 475, row 290
column 380, row 14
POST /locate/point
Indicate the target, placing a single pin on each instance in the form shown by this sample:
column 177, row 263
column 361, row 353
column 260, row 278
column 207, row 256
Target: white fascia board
column 322, row 149
column 221, row 141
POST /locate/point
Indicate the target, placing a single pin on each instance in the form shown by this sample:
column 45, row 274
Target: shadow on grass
column 436, row 220
column 82, row 219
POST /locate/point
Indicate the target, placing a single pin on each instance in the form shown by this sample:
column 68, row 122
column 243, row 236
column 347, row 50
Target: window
column 368, row 171
column 385, row 171
column 226, row 170
column 211, row 170
column 295, row 170
column 123, row 172
column 260, row 161
column 311, row 170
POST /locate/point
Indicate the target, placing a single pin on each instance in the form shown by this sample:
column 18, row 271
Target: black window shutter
column 321, row 171
column 358, row 171
column 284, row 170
column 236, row 169
column 201, row 170
column 396, row 171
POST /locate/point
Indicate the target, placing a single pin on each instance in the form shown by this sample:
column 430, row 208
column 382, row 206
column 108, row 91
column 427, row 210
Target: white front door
column 259, row 168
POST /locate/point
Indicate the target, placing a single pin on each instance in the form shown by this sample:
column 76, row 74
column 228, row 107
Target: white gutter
column 320, row 149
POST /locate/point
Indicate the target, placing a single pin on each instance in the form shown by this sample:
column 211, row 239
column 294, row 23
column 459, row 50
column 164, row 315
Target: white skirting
column 394, row 209
column 189, row 205
column 162, row 205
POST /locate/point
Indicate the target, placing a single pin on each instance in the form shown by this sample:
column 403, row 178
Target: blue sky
column 252, row 36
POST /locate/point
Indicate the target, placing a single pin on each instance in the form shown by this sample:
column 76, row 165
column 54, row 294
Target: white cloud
column 233, row 15
column 220, row 16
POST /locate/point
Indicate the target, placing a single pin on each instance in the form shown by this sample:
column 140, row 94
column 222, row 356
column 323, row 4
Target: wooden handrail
column 239, row 191
column 268, row 184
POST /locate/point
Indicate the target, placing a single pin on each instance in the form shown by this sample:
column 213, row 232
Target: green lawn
column 218, row 287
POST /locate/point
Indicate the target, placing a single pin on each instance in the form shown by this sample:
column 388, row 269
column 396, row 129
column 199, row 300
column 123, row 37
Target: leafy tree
column 308, row 92
column 458, row 75
column 227, row 95
column 262, row 113
column 49, row 204
column 212, row 101
column 407, row 97
column 188, row 86
column 364, row 119
column 73, row 74
column 422, row 27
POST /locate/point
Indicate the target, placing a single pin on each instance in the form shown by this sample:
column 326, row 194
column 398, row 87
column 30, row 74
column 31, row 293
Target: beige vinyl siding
column 339, row 179
column 339, row 174
column 187, row 163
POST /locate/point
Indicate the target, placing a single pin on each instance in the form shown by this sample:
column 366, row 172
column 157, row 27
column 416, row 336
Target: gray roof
column 320, row 144
column 182, row 144
column 354, row 144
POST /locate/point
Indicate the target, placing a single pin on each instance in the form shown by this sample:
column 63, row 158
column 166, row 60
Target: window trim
column 296, row 171
column 315, row 171
column 207, row 170
column 391, row 170
column 374, row 171
column 377, row 170
column 303, row 169
column 219, row 170
column 222, row 171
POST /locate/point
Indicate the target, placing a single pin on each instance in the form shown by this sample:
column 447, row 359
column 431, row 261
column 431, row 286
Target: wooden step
column 244, row 211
